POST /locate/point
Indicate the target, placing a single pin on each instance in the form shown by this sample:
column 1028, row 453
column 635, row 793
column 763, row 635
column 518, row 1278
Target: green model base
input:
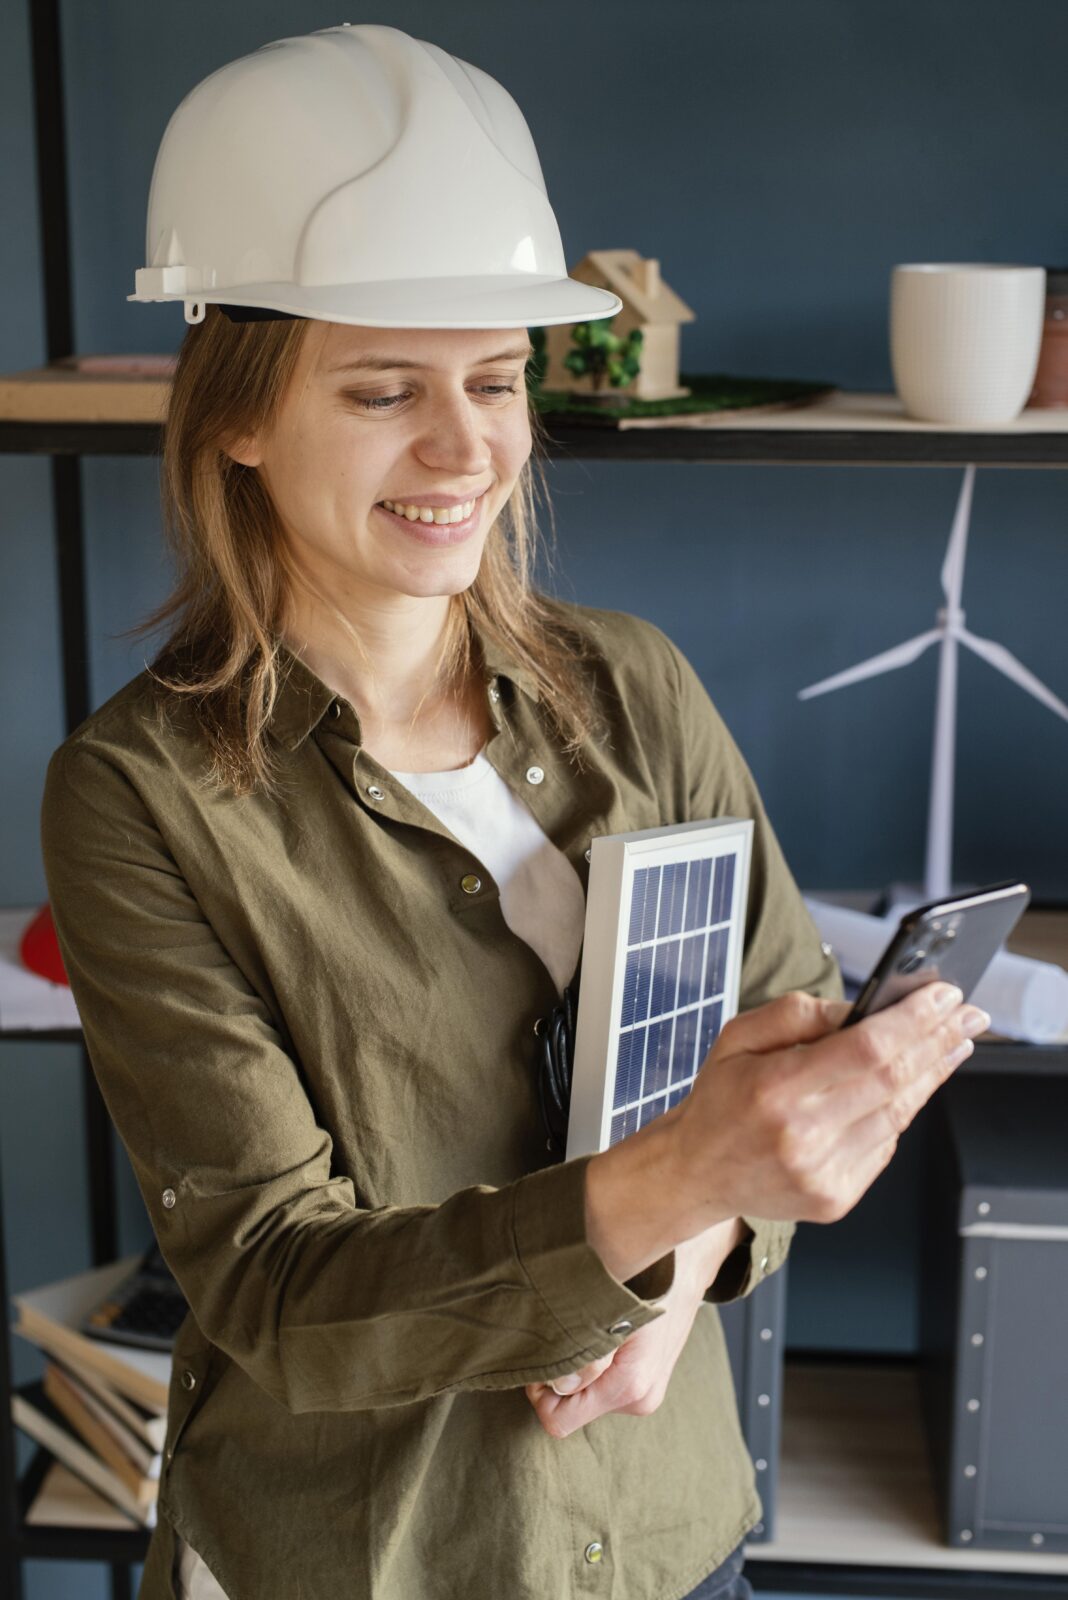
column 710, row 391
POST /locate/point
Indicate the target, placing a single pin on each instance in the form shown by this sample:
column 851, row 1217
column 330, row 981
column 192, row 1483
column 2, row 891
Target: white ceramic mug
column 964, row 339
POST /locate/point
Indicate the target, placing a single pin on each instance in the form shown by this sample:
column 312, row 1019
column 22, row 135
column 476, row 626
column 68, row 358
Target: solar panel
column 661, row 965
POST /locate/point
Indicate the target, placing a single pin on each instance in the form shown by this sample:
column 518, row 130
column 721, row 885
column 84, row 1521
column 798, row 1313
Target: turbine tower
column 948, row 634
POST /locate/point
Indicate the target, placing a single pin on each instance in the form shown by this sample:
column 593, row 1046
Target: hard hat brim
column 514, row 300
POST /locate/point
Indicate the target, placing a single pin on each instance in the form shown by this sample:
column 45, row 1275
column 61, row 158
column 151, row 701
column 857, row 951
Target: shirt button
column 588, row 853
column 828, row 949
column 189, row 1379
column 593, row 1551
column 621, row 1327
column 375, row 792
column 335, row 708
column 495, row 693
column 169, row 1197
column 470, row 883
column 763, row 1263
column 535, row 775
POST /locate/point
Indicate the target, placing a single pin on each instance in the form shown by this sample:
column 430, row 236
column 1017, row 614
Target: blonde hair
column 234, row 568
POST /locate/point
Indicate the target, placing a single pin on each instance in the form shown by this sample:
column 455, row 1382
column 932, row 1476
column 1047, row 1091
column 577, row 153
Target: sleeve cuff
column 751, row 1262
column 593, row 1308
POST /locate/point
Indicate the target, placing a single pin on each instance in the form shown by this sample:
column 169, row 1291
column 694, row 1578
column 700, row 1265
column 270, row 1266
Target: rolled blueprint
column 1026, row 999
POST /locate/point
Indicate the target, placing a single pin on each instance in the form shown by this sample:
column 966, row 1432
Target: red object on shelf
column 39, row 948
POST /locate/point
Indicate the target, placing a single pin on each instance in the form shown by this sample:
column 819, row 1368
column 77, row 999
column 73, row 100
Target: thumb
column 794, row 1018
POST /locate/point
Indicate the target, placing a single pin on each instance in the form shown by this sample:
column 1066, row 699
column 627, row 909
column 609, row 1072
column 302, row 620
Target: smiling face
column 428, row 420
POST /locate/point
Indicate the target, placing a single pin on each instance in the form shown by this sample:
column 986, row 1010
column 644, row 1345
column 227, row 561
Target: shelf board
column 845, row 428
column 856, row 1491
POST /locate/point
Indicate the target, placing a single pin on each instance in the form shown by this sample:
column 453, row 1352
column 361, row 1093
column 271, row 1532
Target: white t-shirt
column 542, row 898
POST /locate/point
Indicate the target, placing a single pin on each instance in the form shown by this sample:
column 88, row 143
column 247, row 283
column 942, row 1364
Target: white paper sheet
column 1026, row 999
column 27, row 1001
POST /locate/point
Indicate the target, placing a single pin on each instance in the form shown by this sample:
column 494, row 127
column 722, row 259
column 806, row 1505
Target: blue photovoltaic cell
column 697, row 893
column 672, row 898
column 678, row 937
column 690, row 968
column 710, row 1024
column 637, row 902
column 665, row 977
column 683, row 1064
column 721, row 898
column 716, row 961
column 652, row 897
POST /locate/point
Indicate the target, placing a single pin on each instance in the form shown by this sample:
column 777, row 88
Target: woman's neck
column 410, row 721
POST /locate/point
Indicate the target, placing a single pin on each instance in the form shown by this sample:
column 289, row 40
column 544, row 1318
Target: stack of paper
column 102, row 1407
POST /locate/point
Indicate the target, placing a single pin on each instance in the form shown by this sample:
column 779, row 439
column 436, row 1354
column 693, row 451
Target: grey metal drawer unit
column 755, row 1329
column 995, row 1312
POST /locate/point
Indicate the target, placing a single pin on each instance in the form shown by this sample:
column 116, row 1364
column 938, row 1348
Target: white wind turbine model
column 949, row 632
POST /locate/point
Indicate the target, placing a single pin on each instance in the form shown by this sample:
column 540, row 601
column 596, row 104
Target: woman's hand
column 790, row 1118
column 633, row 1378
column 793, row 1118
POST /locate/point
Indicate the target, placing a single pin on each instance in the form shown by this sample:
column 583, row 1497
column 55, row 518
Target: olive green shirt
column 317, row 1049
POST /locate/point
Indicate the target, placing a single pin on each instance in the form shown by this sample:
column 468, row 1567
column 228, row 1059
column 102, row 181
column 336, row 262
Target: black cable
column 555, row 1062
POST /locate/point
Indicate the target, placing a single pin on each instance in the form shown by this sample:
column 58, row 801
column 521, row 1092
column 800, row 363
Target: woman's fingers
column 901, row 1033
column 575, row 1382
column 929, row 1059
column 886, row 1122
column 794, row 1018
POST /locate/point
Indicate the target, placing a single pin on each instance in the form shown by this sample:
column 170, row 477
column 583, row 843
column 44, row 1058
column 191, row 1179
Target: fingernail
column 974, row 1021
column 961, row 1053
column 948, row 998
column 566, row 1385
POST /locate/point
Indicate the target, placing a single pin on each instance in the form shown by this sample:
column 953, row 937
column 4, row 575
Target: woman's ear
column 246, row 451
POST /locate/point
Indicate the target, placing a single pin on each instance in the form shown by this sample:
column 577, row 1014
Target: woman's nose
column 453, row 440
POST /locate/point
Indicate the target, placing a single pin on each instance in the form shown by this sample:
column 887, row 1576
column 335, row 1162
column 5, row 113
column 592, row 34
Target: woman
column 318, row 871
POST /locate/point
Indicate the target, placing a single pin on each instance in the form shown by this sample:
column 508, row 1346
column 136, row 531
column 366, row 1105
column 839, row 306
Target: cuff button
column 621, row 1327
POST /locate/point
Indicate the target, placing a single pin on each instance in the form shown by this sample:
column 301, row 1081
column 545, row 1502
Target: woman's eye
column 390, row 402
column 379, row 402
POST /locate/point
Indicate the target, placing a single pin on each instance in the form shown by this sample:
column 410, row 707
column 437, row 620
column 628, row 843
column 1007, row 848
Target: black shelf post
column 53, row 209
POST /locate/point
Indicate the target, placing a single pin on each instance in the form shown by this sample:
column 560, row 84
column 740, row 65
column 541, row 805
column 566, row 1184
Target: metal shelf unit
column 780, row 439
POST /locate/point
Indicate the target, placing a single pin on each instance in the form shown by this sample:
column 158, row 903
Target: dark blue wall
column 778, row 158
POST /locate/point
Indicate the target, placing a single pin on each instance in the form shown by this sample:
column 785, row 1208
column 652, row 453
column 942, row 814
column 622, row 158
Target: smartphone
column 951, row 940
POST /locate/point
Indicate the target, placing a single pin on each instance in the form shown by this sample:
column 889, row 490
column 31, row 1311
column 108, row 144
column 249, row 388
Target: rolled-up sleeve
column 326, row 1305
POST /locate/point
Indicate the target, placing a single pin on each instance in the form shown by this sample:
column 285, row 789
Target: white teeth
column 439, row 514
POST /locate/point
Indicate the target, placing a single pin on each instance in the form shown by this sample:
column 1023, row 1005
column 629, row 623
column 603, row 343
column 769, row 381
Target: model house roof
column 637, row 281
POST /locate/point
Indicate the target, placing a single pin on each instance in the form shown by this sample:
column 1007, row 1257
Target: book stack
column 101, row 1408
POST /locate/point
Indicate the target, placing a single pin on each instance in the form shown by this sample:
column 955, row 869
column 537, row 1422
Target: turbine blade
column 1004, row 661
column 953, row 565
column 902, row 655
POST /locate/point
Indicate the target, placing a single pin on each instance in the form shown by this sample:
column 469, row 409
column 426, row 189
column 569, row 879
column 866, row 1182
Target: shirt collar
column 304, row 699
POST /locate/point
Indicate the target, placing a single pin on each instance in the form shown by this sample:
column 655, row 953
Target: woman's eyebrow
column 397, row 363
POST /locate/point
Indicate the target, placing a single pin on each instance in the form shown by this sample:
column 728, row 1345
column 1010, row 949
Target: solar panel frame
column 651, row 920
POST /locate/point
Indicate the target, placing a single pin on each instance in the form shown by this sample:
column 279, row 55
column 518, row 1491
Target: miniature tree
column 539, row 360
column 602, row 354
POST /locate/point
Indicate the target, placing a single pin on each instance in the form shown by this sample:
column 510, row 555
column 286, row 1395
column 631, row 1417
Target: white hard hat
column 358, row 175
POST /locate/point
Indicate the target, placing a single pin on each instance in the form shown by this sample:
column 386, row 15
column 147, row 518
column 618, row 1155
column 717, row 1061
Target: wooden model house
column 648, row 304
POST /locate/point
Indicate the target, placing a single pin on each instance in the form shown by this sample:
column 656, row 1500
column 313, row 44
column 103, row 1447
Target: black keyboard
column 147, row 1308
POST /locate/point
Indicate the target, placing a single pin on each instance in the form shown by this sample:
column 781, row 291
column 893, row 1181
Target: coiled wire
column 555, row 1062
